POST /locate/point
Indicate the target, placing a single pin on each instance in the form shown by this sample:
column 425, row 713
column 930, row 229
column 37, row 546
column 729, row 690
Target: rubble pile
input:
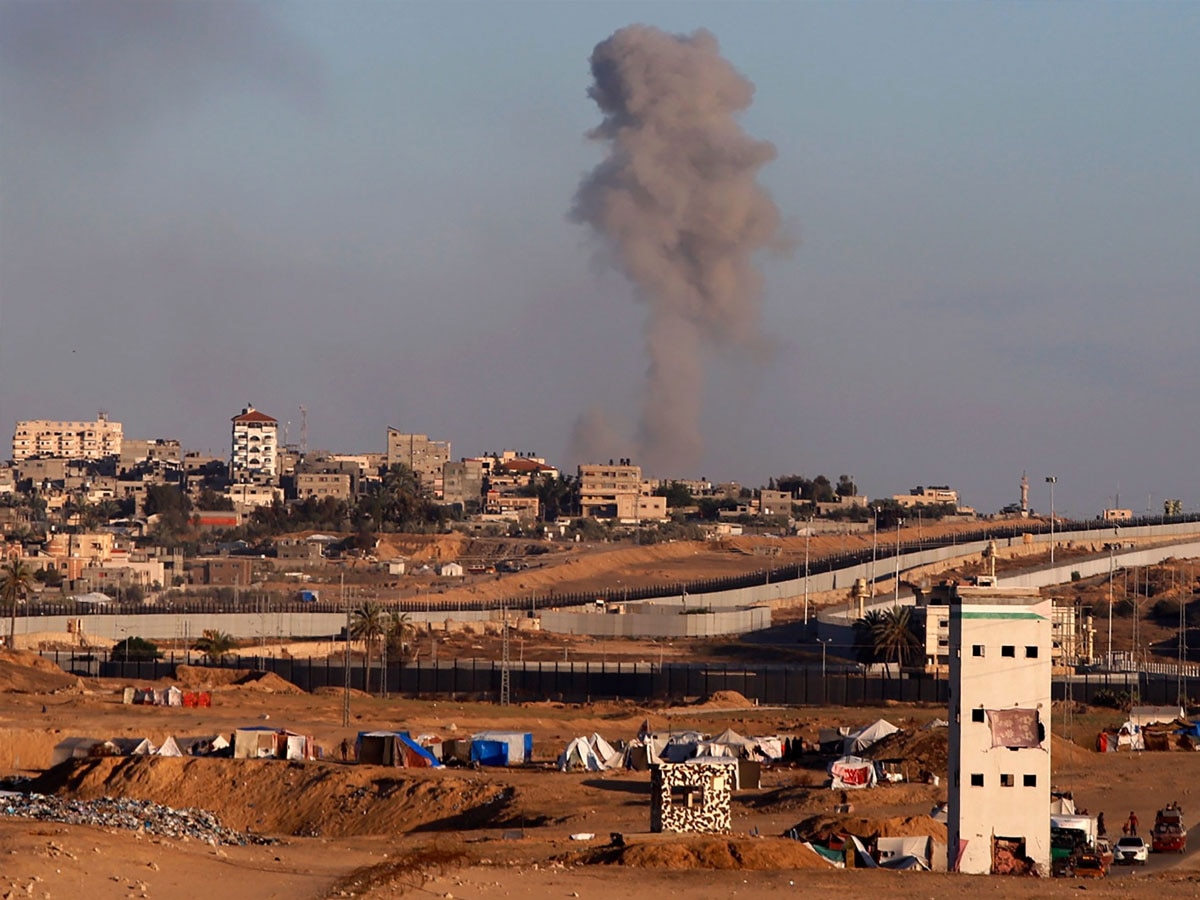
column 135, row 815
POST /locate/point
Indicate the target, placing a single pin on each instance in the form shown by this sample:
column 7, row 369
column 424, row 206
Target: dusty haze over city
column 375, row 210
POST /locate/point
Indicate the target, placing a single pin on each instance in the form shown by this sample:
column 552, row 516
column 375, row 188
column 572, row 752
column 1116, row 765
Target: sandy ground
column 348, row 830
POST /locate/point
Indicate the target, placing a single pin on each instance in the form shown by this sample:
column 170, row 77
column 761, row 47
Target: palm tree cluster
column 888, row 636
column 373, row 624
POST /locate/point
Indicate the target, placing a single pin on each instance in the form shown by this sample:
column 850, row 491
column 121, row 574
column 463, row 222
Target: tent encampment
column 125, row 746
column 393, row 748
column 860, row 740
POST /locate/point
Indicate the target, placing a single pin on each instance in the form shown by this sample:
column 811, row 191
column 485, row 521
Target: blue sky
column 362, row 208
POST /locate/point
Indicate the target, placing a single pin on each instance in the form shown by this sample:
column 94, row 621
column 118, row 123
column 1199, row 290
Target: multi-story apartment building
column 67, row 440
column 255, row 440
column 462, row 482
column 999, row 741
column 425, row 457
column 159, row 452
column 615, row 491
column 323, row 484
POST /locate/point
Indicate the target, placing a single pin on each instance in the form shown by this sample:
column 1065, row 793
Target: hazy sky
column 363, row 208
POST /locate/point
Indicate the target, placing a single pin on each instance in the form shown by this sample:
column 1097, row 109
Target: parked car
column 1089, row 865
column 1105, row 851
column 1131, row 850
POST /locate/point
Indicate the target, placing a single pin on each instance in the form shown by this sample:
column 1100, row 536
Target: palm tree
column 215, row 644
column 400, row 631
column 369, row 624
column 16, row 579
column 893, row 637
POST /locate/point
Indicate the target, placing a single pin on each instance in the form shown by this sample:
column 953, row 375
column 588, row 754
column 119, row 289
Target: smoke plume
column 676, row 203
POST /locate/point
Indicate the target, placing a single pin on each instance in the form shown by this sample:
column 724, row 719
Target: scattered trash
column 135, row 815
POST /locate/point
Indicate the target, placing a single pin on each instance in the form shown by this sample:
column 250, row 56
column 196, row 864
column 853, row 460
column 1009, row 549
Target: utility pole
column 896, row 597
column 1111, row 574
column 505, row 674
column 346, row 687
column 1052, row 480
column 807, row 535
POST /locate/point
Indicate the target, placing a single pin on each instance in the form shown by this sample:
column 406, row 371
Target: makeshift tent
column 393, row 748
column 502, row 748
column 1141, row 716
column 73, row 748
column 852, row 772
column 169, row 748
column 894, row 852
column 125, row 746
column 579, row 755
column 865, row 737
column 269, row 743
column 831, row 740
column 201, row 745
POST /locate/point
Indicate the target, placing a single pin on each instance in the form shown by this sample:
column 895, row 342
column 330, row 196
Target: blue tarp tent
column 393, row 748
column 502, row 748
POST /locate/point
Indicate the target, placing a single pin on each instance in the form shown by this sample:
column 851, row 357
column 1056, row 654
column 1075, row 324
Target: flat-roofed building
column 423, row 456
column 96, row 439
column 999, row 741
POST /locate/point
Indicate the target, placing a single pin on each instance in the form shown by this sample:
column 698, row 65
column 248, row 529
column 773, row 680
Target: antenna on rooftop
column 303, row 428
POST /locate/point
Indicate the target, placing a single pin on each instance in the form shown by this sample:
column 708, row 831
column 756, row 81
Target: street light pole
column 896, row 597
column 1052, row 480
column 874, row 547
column 824, row 642
column 807, row 535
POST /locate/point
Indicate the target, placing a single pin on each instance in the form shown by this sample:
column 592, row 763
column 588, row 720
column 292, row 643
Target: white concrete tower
column 999, row 792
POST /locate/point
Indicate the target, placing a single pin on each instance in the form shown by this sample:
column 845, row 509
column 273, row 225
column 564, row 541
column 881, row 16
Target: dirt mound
column 329, row 690
column 192, row 678
column 710, row 852
column 925, row 748
column 1067, row 754
column 276, row 797
column 821, row 827
column 23, row 672
column 724, row 700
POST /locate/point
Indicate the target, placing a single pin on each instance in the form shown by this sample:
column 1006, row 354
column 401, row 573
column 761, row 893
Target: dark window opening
column 1031, row 652
column 1008, row 650
column 1030, row 781
column 976, row 779
column 1007, row 781
column 977, row 649
column 977, row 715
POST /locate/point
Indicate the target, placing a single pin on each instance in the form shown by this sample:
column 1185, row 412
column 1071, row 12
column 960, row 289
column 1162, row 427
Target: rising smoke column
column 676, row 202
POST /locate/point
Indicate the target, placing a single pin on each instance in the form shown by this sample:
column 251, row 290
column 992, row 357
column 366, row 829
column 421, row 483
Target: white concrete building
column 255, row 441
column 999, row 792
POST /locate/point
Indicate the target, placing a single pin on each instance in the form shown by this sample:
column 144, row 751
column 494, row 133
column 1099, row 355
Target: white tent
column 865, row 737
column 852, row 772
column 579, row 755
column 893, row 851
column 610, row 756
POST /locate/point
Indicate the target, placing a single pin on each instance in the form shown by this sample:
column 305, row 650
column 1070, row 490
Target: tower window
column 1007, row 780
column 976, row 779
column 1031, row 651
column 977, row 650
column 1030, row 781
column 1008, row 650
column 977, row 715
